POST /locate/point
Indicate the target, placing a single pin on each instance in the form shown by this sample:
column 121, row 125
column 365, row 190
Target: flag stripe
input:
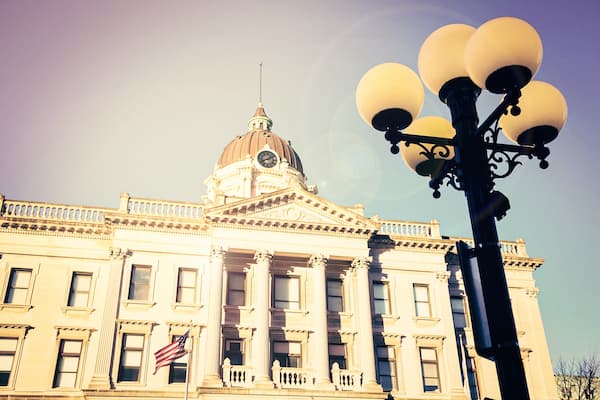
column 170, row 352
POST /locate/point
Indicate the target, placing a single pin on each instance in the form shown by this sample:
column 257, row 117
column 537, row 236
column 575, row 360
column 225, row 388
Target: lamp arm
column 510, row 100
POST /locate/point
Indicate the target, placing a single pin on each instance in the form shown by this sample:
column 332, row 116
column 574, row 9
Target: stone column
column 102, row 379
column 319, row 341
column 213, row 327
column 260, row 340
column 365, row 323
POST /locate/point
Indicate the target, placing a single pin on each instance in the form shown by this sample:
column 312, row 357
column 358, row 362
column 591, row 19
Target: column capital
column 117, row 253
column 318, row 260
column 361, row 262
column 442, row 275
column 263, row 256
column 217, row 253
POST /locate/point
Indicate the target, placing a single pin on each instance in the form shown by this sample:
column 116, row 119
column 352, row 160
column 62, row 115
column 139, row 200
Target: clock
column 267, row 158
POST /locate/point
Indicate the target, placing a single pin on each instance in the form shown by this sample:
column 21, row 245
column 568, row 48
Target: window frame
column 180, row 286
column 386, row 300
column 131, row 296
column 123, row 348
column 27, row 297
column 227, row 353
column 336, row 358
column 231, row 290
column 418, row 302
column 61, row 354
column 392, row 365
column 13, row 353
column 330, row 296
column 89, row 290
column 457, row 313
column 436, row 364
column 289, row 356
column 288, row 301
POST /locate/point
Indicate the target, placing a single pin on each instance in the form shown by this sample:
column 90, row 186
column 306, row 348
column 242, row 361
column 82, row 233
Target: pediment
column 292, row 209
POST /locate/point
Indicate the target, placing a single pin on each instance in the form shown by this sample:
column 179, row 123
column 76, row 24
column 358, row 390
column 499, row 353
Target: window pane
column 337, row 350
column 334, row 304
column 132, row 358
column 133, row 341
column 430, row 370
column 280, row 347
column 334, row 287
column 423, row 309
column 21, row 278
column 294, row 347
column 16, row 296
column 428, row 354
column 140, row 282
column 82, row 281
column 186, row 295
column 177, row 372
column 236, row 281
column 65, row 379
column 79, row 300
column 380, row 307
column 379, row 291
column 236, row 298
column 6, row 361
column 129, row 374
column 421, row 293
column 4, row 377
column 68, row 364
column 384, row 368
column 187, row 277
column 8, row 344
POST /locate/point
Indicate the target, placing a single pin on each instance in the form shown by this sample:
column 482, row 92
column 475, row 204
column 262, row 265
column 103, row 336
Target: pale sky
column 103, row 97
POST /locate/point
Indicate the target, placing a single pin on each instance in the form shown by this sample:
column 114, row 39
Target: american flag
column 171, row 352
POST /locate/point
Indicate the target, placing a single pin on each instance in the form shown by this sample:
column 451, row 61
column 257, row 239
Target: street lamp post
column 456, row 62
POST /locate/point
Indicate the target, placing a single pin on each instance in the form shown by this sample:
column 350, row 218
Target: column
column 260, row 340
column 212, row 358
column 319, row 341
column 365, row 332
column 102, row 377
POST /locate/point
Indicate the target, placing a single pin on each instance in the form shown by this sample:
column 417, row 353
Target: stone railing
column 291, row 378
column 46, row 211
column 508, row 248
column 414, row 229
column 237, row 375
column 160, row 208
column 345, row 379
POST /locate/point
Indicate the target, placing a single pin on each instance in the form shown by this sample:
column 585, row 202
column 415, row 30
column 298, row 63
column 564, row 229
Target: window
column 186, row 286
column 130, row 363
column 8, row 348
column 236, row 288
column 458, row 312
column 381, row 301
column 288, row 354
column 335, row 299
column 422, row 306
column 178, row 368
column 79, row 293
column 386, row 367
column 139, row 284
column 18, row 286
column 429, row 369
column 67, row 363
column 234, row 350
column 287, row 292
column 337, row 354
column 472, row 378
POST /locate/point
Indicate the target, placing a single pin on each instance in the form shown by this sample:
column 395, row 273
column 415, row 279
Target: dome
column 255, row 139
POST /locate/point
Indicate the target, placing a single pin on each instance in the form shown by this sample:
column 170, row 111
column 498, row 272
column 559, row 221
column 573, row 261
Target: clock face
column 267, row 159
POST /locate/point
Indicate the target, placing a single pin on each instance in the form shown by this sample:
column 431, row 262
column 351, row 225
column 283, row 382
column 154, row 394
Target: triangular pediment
column 292, row 208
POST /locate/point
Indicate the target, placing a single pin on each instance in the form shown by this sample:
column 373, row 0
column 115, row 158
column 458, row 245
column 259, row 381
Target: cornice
column 120, row 220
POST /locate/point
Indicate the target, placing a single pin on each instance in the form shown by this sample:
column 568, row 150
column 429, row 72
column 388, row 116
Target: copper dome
column 255, row 140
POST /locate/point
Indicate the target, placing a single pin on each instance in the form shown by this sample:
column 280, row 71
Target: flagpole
column 187, row 366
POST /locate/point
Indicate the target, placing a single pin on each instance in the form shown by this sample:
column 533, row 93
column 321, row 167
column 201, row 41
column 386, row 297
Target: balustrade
column 57, row 212
column 237, row 375
column 345, row 379
column 414, row 229
column 177, row 209
column 292, row 378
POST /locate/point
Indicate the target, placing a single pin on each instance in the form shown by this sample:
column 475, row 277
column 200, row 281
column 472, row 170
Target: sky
column 103, row 97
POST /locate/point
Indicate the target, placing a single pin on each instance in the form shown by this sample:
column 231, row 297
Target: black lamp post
column 455, row 62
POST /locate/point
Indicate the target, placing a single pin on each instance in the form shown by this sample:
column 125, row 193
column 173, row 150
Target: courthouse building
column 284, row 293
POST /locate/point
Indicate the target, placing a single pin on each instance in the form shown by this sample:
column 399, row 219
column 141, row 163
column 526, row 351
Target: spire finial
column 260, row 84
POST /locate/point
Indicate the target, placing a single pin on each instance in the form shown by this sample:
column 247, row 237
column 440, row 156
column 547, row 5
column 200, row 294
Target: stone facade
column 284, row 293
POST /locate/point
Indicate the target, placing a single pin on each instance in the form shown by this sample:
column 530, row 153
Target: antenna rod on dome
column 260, row 85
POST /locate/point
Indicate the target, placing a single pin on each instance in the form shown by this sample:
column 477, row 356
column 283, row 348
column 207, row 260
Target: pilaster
column 101, row 379
column 319, row 342
column 213, row 329
column 260, row 339
column 360, row 266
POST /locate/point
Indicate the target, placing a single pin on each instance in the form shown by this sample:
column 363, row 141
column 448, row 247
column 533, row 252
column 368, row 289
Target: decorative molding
column 263, row 256
column 217, row 253
column 318, row 260
column 443, row 275
column 532, row 292
column 116, row 253
column 361, row 263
